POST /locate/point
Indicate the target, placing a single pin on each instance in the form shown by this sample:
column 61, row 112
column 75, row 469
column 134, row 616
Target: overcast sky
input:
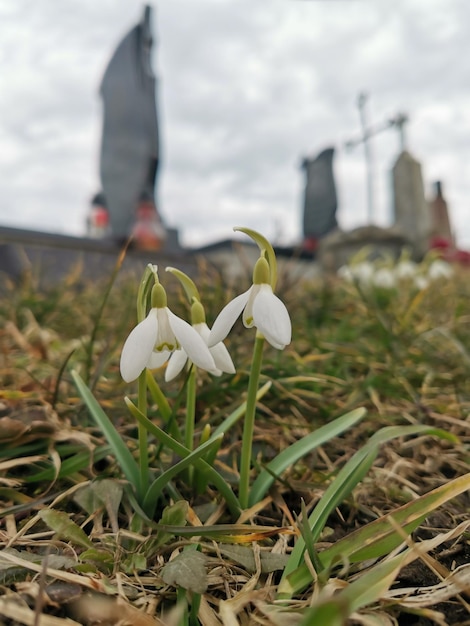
column 246, row 89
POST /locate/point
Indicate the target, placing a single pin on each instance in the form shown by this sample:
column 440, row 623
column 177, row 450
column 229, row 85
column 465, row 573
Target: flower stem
column 190, row 415
column 249, row 423
column 143, row 435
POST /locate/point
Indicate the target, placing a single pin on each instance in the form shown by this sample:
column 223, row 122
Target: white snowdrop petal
column 191, row 342
column 157, row 359
column 272, row 318
column 175, row 365
column 227, row 318
column 219, row 352
column 222, row 358
column 247, row 316
column 138, row 347
column 203, row 329
column 166, row 339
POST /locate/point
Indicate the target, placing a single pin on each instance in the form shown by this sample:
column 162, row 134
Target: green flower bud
column 198, row 315
column 261, row 274
column 158, row 297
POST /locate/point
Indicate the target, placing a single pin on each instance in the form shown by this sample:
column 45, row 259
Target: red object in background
column 310, row 244
column 447, row 251
column 148, row 232
column 98, row 220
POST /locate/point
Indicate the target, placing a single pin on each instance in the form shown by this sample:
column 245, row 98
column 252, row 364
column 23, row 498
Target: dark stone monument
column 441, row 230
column 320, row 200
column 130, row 142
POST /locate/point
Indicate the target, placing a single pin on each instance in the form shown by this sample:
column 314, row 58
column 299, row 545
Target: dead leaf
column 187, row 570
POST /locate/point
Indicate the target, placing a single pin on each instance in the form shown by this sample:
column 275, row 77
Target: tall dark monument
column 130, row 142
column 320, row 199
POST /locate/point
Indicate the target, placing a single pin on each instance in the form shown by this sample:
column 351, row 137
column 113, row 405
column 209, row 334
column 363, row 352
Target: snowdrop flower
column 220, row 354
column 260, row 307
column 439, row 269
column 421, row 282
column 152, row 341
column 384, row 278
column 346, row 273
column 363, row 272
column 406, row 269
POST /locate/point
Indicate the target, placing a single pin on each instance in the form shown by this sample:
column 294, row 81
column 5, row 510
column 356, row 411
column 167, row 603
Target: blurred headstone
column 410, row 206
column 337, row 248
column 441, row 231
column 320, row 199
column 130, row 141
column 13, row 262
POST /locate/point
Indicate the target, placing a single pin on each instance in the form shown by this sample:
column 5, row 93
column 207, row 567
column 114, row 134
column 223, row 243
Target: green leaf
column 172, row 516
column 264, row 246
column 215, row 478
column 270, row 561
column 145, row 288
column 187, row 570
column 158, row 396
column 239, row 412
column 365, row 590
column 76, row 463
column 121, row 451
column 62, row 525
column 348, row 477
column 378, row 537
column 159, row 484
column 106, row 492
column 288, row 457
column 188, row 284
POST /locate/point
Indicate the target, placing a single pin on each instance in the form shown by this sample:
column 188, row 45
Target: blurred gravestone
column 320, row 199
column 130, row 146
column 441, row 230
column 410, row 206
column 13, row 262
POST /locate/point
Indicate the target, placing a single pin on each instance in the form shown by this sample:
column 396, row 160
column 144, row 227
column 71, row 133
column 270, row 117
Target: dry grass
column 404, row 356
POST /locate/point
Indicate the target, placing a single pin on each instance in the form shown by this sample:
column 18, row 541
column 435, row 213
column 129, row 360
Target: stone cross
column 368, row 132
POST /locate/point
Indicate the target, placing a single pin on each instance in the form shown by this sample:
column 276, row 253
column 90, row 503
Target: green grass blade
column 158, row 396
column 213, row 476
column 239, row 412
column 365, row 590
column 160, row 483
column 120, row 450
column 348, row 477
column 380, row 537
column 76, row 463
column 297, row 450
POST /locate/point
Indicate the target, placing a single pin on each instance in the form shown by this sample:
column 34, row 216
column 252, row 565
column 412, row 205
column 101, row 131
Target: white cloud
column 246, row 88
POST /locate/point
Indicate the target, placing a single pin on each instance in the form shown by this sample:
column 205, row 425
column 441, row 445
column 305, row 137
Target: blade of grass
column 239, row 412
column 217, row 480
column 72, row 465
column 121, row 451
column 380, row 537
column 348, row 477
column 290, row 456
column 365, row 590
column 159, row 484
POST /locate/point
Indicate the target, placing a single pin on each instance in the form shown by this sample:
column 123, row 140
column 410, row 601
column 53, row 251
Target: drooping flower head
column 260, row 306
column 156, row 337
column 179, row 358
